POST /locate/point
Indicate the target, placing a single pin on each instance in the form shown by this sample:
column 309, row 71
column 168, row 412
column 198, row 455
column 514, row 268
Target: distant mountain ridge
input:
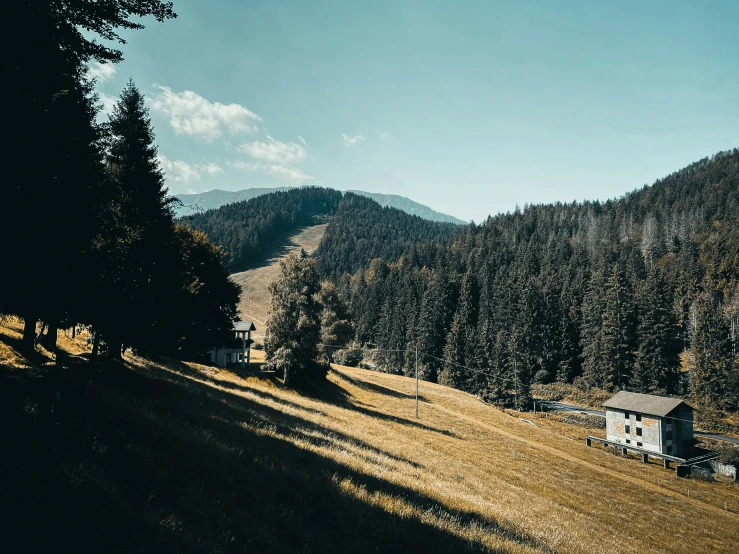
column 204, row 201
column 408, row 206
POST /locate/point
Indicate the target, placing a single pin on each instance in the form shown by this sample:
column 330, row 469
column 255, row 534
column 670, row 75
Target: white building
column 652, row 423
column 236, row 351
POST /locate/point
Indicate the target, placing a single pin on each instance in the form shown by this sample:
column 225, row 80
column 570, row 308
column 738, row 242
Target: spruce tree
column 591, row 331
column 657, row 361
column 140, row 271
column 457, row 346
column 52, row 113
column 434, row 324
column 710, row 378
column 617, row 332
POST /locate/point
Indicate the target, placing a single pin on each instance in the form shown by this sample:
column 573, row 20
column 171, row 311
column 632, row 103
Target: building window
column 669, row 449
column 668, row 435
column 638, row 431
column 668, row 421
column 628, row 441
column 638, row 444
column 626, row 415
column 627, row 429
column 638, row 417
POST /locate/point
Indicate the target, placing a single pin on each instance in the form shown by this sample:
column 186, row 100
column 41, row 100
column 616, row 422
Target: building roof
column 244, row 326
column 644, row 403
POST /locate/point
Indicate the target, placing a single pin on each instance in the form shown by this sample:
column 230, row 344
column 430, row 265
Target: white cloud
column 211, row 168
column 108, row 103
column 385, row 136
column 183, row 172
column 275, row 151
column 290, row 175
column 302, row 140
column 191, row 114
column 350, row 141
column 101, row 71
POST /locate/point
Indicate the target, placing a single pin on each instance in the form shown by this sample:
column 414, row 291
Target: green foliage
column 52, row 219
column 362, row 230
column 713, row 378
column 247, row 230
column 206, row 300
column 658, row 353
column 294, row 324
column 602, row 294
column 336, row 326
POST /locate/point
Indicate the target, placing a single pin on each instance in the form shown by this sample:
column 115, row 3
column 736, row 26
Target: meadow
column 161, row 455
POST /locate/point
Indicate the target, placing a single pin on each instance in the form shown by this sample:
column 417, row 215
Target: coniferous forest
column 247, row 229
column 89, row 235
column 639, row 293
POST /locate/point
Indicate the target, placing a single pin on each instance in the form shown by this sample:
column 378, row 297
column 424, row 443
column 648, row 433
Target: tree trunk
column 96, row 343
column 49, row 340
column 74, row 331
column 114, row 349
column 29, row 331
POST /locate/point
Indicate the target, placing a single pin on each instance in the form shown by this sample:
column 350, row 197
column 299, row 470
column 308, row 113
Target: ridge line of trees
column 639, row 293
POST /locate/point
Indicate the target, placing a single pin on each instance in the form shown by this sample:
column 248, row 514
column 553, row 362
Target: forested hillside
column 248, row 229
column 212, row 199
column 363, row 230
column 604, row 294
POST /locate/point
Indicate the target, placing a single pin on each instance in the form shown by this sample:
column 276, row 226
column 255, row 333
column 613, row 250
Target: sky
column 469, row 107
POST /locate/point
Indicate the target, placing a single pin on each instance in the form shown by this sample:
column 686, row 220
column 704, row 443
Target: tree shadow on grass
column 152, row 462
column 334, row 394
column 375, row 387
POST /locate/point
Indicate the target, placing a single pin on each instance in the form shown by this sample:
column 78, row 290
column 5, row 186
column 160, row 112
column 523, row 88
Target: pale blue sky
column 468, row 107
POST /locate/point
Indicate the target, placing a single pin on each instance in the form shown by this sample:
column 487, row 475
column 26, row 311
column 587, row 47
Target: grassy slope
column 254, row 302
column 171, row 456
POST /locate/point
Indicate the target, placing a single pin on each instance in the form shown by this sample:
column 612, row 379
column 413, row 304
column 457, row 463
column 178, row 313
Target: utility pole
column 416, row 380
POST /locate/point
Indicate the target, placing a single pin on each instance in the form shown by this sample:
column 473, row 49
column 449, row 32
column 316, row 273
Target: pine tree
column 617, row 332
column 528, row 337
column 463, row 327
column 434, row 324
column 709, row 379
column 591, row 332
column 657, row 360
column 52, row 112
column 143, row 254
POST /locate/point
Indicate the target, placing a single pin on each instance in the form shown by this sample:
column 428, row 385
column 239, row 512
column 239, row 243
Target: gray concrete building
column 652, row 423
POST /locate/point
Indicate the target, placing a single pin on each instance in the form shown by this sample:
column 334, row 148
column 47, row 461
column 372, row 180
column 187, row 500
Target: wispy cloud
column 211, row 168
column 274, row 151
column 277, row 159
column 100, row 71
column 191, row 114
column 290, row 175
column 351, row 141
column 385, row 136
column 183, row 172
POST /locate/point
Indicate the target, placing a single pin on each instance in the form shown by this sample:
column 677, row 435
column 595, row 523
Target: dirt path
column 254, row 301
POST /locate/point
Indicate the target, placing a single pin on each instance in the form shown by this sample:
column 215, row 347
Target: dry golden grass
column 345, row 465
column 255, row 300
